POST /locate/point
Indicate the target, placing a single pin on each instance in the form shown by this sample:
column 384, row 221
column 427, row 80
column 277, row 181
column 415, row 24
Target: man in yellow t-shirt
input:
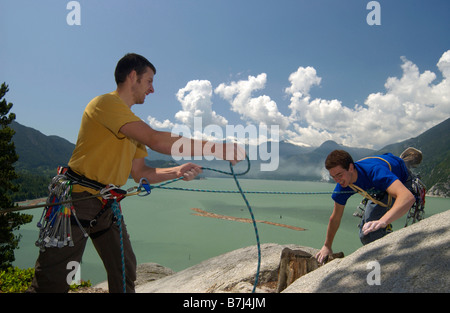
column 111, row 146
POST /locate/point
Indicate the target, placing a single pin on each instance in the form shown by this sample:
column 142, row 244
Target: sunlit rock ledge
column 411, row 259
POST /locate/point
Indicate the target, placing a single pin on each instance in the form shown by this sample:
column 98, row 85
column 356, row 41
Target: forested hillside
column 435, row 146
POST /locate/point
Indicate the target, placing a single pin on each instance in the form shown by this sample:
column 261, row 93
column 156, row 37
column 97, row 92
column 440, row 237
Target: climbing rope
column 115, row 206
column 148, row 188
column 253, row 221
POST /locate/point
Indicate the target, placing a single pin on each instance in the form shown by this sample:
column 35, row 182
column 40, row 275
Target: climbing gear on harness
column 59, row 214
column 417, row 211
column 56, row 220
column 360, row 208
column 412, row 158
column 112, row 194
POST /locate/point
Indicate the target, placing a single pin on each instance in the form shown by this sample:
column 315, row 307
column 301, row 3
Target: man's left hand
column 189, row 171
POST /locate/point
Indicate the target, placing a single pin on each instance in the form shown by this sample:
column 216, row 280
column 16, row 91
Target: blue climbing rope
column 253, row 221
column 147, row 187
column 232, row 173
column 144, row 189
column 115, row 206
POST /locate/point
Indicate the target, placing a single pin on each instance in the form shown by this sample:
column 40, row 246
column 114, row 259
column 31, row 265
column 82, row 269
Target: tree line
column 11, row 221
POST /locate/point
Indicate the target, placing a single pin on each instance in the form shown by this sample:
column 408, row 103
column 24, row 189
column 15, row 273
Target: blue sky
column 315, row 68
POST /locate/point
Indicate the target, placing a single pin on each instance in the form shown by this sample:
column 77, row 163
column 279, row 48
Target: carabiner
column 143, row 183
column 105, row 192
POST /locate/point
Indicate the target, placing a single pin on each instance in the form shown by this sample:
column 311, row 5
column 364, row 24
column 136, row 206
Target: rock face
column 412, row 259
column 440, row 190
column 145, row 273
column 231, row 272
column 148, row 272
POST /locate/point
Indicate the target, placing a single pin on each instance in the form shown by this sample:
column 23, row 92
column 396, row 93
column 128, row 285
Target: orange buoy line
column 201, row 212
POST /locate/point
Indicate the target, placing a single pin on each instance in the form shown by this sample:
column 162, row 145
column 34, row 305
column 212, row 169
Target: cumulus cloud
column 257, row 110
column 157, row 124
column 302, row 80
column 408, row 106
column 195, row 101
column 314, row 120
column 196, row 104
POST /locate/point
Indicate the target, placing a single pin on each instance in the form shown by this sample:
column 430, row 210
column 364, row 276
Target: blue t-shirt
column 374, row 175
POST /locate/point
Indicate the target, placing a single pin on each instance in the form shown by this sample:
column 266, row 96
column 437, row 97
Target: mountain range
column 39, row 153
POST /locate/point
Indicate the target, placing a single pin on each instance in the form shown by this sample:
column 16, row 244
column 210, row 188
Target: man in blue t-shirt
column 386, row 176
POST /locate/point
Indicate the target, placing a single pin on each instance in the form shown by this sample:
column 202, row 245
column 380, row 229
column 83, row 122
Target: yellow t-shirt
column 102, row 153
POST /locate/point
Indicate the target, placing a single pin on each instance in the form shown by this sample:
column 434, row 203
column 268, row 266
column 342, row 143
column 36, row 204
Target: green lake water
column 164, row 230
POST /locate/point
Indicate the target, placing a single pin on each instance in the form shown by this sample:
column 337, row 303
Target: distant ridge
column 40, row 153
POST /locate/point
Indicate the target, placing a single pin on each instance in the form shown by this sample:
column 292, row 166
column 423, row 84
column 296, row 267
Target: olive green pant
column 52, row 266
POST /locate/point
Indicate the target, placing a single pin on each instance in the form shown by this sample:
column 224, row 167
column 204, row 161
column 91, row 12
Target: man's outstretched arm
column 172, row 144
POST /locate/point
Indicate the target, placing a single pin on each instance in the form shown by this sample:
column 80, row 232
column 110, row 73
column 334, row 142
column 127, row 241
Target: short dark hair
column 338, row 157
column 130, row 62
